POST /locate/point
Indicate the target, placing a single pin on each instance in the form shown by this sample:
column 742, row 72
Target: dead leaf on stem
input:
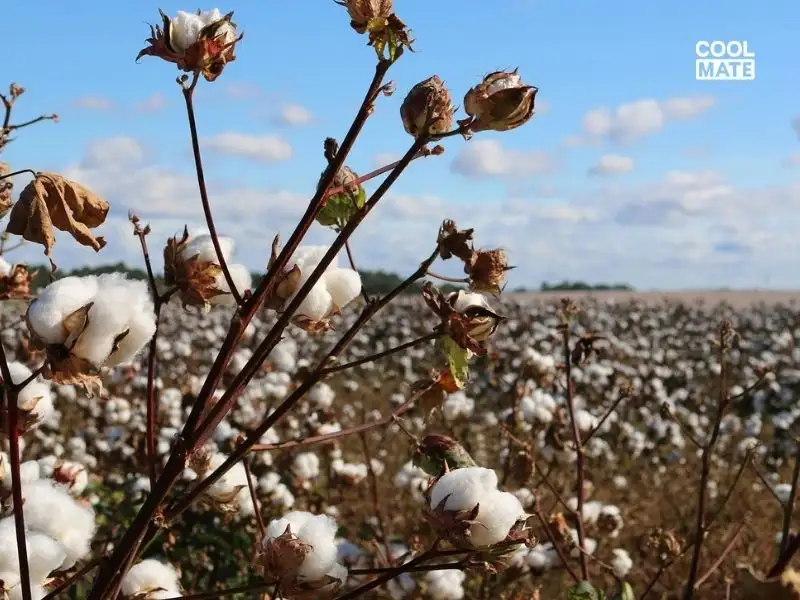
column 51, row 200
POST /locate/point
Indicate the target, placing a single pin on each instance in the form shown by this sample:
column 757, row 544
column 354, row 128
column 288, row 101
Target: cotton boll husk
column 119, row 305
column 52, row 511
column 203, row 247
column 466, row 299
column 57, row 300
column 344, row 286
column 149, row 575
column 319, row 532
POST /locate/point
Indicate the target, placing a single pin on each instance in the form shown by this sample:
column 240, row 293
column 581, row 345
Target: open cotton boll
column 36, row 397
column 463, row 489
column 28, row 471
column 150, row 575
column 622, row 563
column 465, row 300
column 317, row 304
column 5, row 267
column 241, row 279
column 344, row 286
column 202, row 247
column 308, row 257
column 51, row 510
column 446, row 584
column 319, row 532
column 57, row 300
column 119, row 305
column 227, row 487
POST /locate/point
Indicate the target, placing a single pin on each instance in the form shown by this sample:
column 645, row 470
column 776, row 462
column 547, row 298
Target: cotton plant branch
column 10, row 392
column 130, row 542
column 568, row 310
column 726, row 333
column 8, row 100
column 373, row 490
column 788, row 508
column 188, row 96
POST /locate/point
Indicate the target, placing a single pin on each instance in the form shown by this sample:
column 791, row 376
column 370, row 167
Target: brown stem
column 20, row 172
column 378, row 355
column 10, row 395
column 609, row 412
column 373, row 488
column 152, row 404
column 30, row 122
column 727, row 549
column 537, row 511
column 705, row 469
column 788, row 509
column 576, row 437
column 256, row 508
column 446, row 278
column 188, row 95
column 132, row 539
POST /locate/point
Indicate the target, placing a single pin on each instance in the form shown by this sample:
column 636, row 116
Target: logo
column 724, row 61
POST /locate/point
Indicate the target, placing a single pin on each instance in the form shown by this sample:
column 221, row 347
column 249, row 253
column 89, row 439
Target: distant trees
column 580, row 286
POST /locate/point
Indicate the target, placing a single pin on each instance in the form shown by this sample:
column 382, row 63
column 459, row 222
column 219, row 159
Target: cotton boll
column 227, row 487
column 149, row 575
column 35, row 397
column 52, row 511
column 622, row 563
column 58, row 300
column 318, row 531
column 344, row 286
column 28, row 471
column 202, row 247
column 446, row 584
column 120, row 305
column 318, row 304
column 306, row 465
column 308, row 257
column 463, row 489
column 464, row 300
column 242, row 279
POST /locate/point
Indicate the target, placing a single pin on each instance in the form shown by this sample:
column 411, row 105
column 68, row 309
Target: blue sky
column 631, row 170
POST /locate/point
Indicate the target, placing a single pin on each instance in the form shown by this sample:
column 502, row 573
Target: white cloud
column 612, row 164
column 121, row 150
column 294, row 114
column 98, row 103
column 152, row 104
column 242, row 90
column 633, row 120
column 262, row 148
column 488, row 158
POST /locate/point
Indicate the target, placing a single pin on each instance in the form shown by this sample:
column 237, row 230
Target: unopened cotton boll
column 150, row 576
column 464, row 489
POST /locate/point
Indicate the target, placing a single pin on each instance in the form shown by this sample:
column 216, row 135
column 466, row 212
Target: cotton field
column 350, row 473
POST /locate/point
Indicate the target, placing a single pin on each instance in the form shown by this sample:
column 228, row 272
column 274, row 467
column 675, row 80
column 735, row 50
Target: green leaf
column 457, row 360
column 625, row 592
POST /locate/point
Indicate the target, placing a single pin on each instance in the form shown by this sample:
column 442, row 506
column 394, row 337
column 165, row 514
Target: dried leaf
column 457, row 360
column 6, row 189
column 51, row 200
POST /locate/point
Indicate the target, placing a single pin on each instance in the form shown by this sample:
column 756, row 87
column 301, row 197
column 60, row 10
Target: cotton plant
column 192, row 266
column 86, row 323
column 300, row 553
column 468, row 508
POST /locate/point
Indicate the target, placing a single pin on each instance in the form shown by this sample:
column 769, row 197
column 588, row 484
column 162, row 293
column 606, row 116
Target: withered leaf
column 51, row 200
column 6, row 188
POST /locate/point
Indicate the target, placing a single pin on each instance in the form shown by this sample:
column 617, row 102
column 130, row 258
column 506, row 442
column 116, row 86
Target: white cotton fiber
column 318, row 531
column 150, row 575
column 57, row 300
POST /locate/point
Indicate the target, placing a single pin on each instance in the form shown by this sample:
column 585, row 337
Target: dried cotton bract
column 201, row 42
column 191, row 264
column 86, row 323
column 427, row 109
column 466, row 506
column 500, row 102
column 300, row 553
